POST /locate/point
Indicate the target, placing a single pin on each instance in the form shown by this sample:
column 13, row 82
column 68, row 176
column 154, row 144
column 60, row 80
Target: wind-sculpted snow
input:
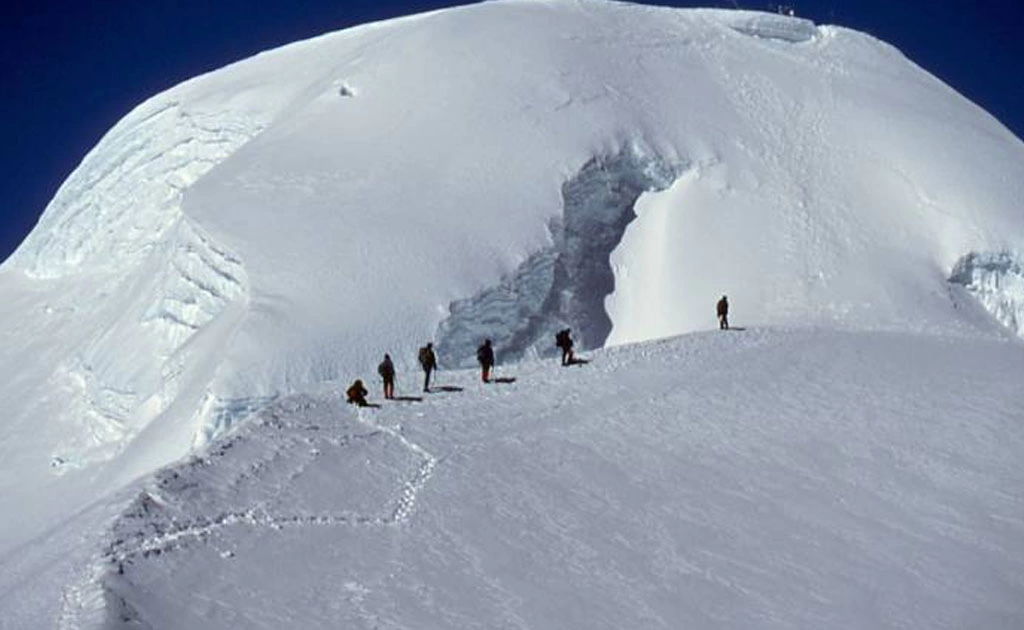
column 758, row 478
column 198, row 282
column 116, row 228
column 127, row 193
column 113, row 397
column 780, row 27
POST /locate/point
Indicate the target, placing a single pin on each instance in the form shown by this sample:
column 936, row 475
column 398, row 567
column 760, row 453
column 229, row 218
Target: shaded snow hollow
column 500, row 169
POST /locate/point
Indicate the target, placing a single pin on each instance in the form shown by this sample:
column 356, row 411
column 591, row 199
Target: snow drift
column 500, row 169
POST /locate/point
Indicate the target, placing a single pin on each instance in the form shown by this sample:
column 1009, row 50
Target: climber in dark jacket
column 386, row 369
column 485, row 357
column 356, row 394
column 428, row 361
column 723, row 313
column 564, row 341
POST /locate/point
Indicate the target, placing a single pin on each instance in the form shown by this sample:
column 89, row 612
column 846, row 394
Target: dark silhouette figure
column 356, row 394
column 485, row 357
column 564, row 341
column 723, row 313
column 428, row 361
column 386, row 369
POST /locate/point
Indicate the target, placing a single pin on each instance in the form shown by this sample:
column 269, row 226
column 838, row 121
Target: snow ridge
column 849, row 460
column 128, row 191
column 117, row 227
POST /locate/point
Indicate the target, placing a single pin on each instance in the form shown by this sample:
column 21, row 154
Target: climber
column 386, row 369
column 485, row 356
column 428, row 360
column 564, row 341
column 723, row 313
column 356, row 394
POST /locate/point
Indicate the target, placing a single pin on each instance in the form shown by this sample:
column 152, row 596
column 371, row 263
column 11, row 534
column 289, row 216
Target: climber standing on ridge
column 356, row 394
column 485, row 357
column 723, row 313
column 428, row 361
column 564, row 341
column 386, row 369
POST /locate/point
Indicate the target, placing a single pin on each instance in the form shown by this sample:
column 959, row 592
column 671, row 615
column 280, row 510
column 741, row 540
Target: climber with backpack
column 428, row 361
column 563, row 340
column 386, row 369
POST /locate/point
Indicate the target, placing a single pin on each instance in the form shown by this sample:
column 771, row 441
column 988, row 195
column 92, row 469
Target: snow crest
column 117, row 229
column 127, row 193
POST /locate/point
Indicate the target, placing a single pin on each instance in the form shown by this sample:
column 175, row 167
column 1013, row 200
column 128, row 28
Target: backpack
column 484, row 355
column 562, row 339
column 424, row 357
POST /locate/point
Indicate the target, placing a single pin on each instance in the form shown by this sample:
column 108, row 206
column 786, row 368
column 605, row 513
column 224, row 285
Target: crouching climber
column 356, row 394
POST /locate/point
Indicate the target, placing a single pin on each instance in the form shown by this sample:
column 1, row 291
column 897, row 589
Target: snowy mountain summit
column 505, row 169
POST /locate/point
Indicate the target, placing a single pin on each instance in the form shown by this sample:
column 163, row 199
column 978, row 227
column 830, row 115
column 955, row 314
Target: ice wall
column 565, row 285
column 996, row 279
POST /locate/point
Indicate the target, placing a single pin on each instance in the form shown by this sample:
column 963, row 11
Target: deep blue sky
column 72, row 69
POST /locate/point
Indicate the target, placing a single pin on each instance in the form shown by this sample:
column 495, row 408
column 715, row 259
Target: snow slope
column 768, row 478
column 501, row 169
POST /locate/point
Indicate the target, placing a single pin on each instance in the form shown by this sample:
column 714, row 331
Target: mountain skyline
column 72, row 71
column 182, row 324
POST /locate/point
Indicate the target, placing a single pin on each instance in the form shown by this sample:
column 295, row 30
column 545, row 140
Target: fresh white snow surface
column 270, row 229
column 765, row 478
